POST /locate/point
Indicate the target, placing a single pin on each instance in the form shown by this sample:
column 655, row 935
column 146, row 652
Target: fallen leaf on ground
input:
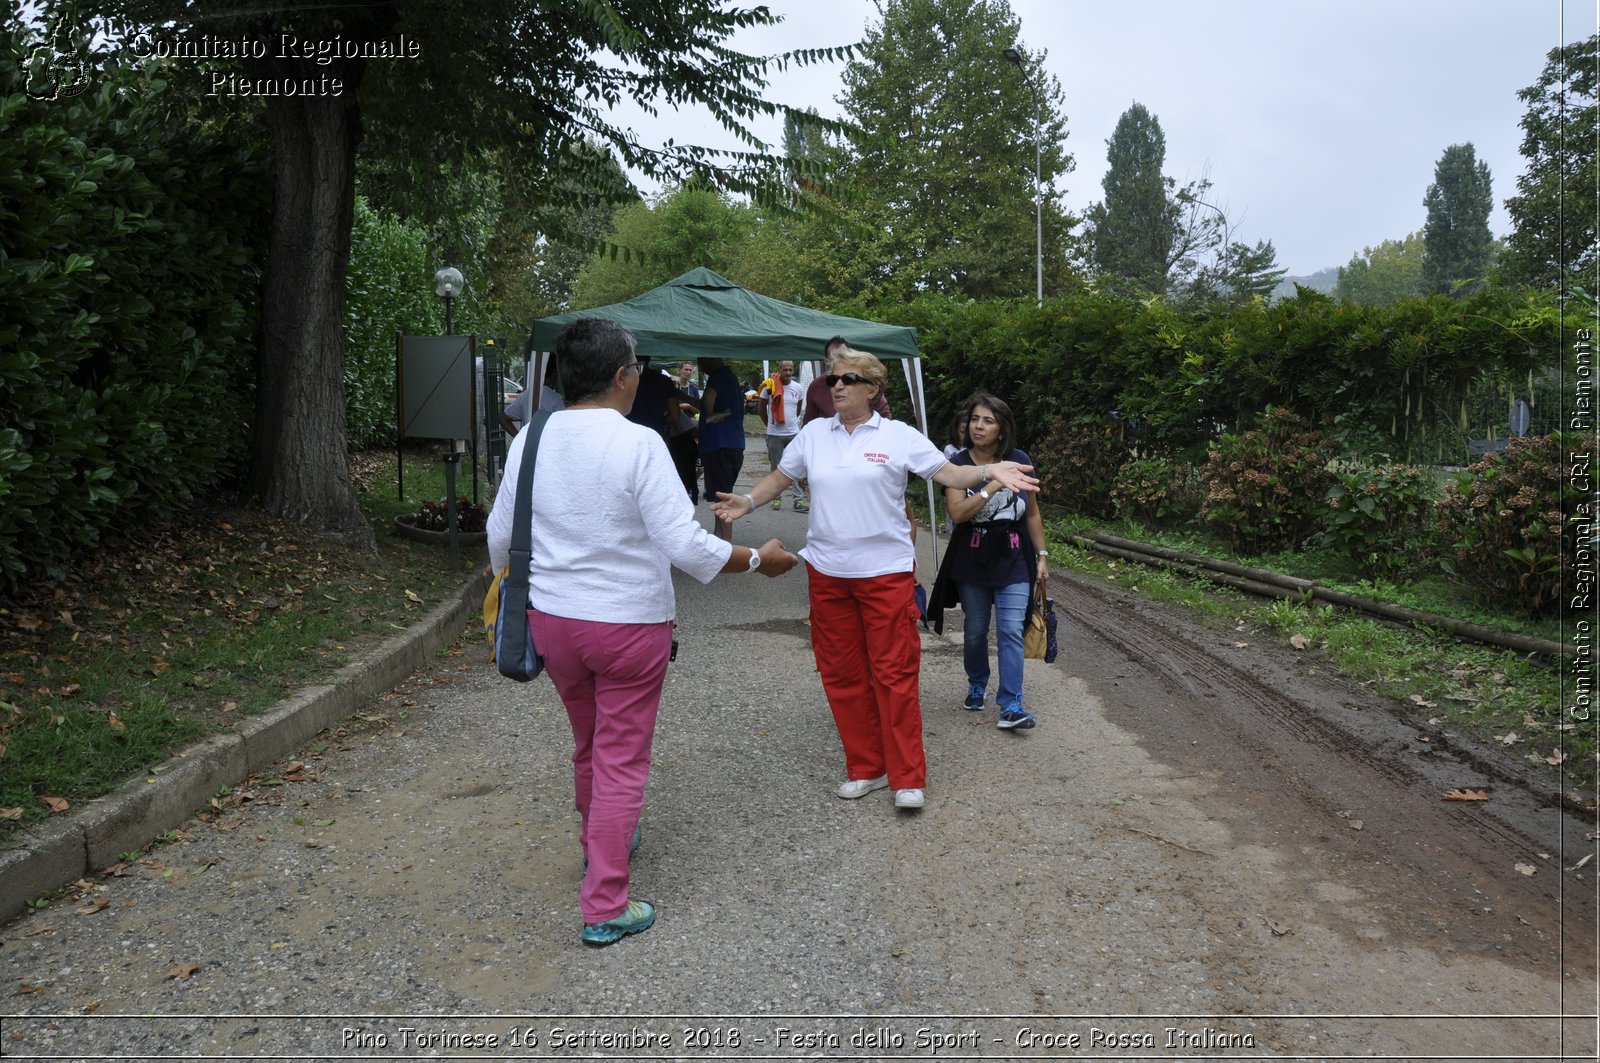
column 116, row 725
column 1466, row 795
column 1240, row 645
column 11, row 813
column 1356, row 824
column 1299, row 642
column 1555, row 757
column 57, row 804
column 93, row 906
column 413, row 596
column 1507, row 739
column 184, row 971
column 1527, row 869
column 42, row 930
column 1277, row 928
column 1418, row 699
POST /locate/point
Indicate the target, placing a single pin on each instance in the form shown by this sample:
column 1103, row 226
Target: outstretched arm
column 774, row 559
column 1005, row 473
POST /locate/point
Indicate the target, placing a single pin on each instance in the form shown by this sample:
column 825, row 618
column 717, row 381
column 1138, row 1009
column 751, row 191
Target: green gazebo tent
column 704, row 315
column 701, row 314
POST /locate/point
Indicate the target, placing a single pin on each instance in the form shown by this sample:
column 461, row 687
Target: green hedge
column 388, row 290
column 1399, row 379
column 130, row 258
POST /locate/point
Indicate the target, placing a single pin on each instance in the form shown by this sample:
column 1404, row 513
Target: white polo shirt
column 858, row 480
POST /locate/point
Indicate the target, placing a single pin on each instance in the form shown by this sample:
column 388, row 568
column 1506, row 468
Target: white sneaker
column 851, row 789
column 908, row 799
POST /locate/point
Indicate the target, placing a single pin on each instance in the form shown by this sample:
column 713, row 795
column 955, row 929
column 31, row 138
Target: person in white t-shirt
column 782, row 402
column 859, row 556
column 609, row 521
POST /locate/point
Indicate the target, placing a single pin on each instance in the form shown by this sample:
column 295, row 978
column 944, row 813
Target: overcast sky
column 1318, row 121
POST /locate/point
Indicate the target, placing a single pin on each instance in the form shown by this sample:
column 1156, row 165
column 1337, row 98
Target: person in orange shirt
column 782, row 400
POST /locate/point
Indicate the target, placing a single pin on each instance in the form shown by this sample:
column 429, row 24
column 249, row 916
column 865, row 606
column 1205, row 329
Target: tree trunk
column 300, row 467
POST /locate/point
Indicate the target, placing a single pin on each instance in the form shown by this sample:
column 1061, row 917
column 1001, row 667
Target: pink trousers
column 609, row 677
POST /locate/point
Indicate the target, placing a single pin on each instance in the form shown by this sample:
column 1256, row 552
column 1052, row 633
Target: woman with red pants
column 859, row 556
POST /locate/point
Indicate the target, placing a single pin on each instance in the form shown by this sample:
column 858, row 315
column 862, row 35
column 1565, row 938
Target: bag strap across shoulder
column 522, row 512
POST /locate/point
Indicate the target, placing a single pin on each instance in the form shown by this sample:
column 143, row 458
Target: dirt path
column 1169, row 866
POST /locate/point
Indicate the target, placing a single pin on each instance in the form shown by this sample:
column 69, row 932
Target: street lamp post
column 447, row 284
column 1014, row 56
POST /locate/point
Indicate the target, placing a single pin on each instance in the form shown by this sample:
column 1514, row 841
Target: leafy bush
column 1157, row 492
column 1265, row 488
column 1077, row 465
column 1501, row 524
column 131, row 223
column 1379, row 516
column 388, row 289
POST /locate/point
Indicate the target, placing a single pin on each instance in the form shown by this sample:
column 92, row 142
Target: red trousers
column 864, row 635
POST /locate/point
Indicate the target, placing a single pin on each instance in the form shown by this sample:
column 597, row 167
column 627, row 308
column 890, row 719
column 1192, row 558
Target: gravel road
column 1200, row 853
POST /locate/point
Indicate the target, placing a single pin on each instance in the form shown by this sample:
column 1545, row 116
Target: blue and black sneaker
column 974, row 702
column 1018, row 718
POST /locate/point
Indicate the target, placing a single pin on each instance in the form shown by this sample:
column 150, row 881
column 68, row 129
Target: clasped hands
column 775, row 560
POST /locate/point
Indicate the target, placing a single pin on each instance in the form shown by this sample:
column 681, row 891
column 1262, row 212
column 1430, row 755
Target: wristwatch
column 755, row 561
column 983, row 492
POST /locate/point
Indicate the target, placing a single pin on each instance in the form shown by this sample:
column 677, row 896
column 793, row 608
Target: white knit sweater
column 610, row 518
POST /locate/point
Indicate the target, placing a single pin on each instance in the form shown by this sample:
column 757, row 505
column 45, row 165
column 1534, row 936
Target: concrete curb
column 44, row 858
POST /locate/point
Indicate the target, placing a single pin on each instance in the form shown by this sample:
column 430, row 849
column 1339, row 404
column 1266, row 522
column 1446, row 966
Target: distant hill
column 1323, row 281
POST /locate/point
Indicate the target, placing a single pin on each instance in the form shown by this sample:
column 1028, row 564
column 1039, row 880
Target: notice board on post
column 435, row 396
column 434, row 391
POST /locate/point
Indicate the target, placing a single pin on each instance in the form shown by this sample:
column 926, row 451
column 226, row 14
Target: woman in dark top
column 996, row 561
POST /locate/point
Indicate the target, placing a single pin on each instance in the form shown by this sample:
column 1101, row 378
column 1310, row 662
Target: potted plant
column 431, row 524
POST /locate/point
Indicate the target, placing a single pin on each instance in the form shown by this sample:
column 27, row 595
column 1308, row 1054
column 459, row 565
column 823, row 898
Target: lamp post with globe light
column 1014, row 56
column 447, row 284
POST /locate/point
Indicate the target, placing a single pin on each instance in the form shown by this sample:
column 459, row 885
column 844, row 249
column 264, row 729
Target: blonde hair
column 864, row 364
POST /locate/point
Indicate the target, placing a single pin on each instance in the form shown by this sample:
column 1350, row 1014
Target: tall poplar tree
column 1132, row 232
column 1456, row 241
column 941, row 174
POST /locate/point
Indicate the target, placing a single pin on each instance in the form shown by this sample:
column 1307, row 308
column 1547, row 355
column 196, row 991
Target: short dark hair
column 589, row 352
column 1002, row 413
column 837, row 341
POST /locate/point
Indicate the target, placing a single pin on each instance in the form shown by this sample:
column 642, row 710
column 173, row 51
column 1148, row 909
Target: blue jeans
column 1010, row 605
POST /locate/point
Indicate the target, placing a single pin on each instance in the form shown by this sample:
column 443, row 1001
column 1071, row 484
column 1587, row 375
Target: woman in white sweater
column 609, row 520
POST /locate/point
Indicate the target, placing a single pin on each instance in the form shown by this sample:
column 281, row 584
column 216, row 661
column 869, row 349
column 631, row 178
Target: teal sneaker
column 635, row 919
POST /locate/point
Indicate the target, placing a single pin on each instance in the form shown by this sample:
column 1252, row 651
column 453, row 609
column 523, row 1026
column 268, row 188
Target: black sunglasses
column 835, row 379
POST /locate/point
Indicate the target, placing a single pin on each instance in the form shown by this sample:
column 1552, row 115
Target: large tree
column 439, row 82
column 1456, row 240
column 942, row 168
column 1132, row 233
column 1554, row 238
column 1380, row 275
